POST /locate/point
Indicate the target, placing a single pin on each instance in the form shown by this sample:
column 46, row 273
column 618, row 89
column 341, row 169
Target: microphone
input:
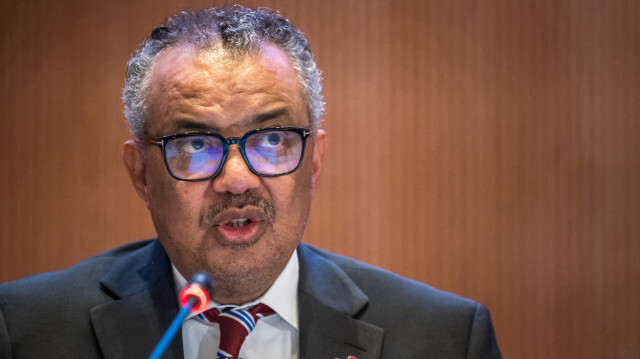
column 196, row 294
column 194, row 298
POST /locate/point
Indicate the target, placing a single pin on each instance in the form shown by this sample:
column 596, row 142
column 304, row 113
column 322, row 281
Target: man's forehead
column 185, row 76
column 214, row 57
column 183, row 63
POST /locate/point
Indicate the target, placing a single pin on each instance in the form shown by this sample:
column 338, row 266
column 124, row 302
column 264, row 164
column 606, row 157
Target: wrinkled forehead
column 195, row 69
column 212, row 78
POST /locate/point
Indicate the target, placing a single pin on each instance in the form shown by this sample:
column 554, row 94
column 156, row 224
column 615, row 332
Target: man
column 225, row 106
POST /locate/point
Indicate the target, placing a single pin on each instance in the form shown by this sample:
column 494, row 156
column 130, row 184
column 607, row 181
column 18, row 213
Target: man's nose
column 235, row 176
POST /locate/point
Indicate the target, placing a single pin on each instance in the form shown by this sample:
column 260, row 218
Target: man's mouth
column 239, row 222
column 240, row 226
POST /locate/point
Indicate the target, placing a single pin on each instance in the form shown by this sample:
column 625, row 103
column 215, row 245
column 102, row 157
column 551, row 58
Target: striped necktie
column 235, row 324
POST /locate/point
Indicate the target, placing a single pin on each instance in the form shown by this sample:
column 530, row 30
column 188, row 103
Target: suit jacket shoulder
column 115, row 304
column 384, row 314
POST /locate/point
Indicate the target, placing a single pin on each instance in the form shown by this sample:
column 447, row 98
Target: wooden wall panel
column 488, row 148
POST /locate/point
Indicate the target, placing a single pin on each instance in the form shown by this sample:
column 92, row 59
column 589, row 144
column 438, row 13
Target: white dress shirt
column 274, row 337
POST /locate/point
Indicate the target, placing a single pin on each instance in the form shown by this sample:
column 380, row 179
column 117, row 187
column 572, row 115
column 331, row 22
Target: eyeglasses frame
column 161, row 142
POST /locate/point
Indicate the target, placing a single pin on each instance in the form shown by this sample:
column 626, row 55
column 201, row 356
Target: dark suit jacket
column 119, row 303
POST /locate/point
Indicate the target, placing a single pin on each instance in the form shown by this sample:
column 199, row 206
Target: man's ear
column 135, row 165
column 319, row 149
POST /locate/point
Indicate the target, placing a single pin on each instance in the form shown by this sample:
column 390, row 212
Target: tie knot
column 256, row 312
column 235, row 324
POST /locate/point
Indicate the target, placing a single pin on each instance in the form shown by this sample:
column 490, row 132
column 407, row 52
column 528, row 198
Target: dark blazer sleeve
column 5, row 342
column 482, row 339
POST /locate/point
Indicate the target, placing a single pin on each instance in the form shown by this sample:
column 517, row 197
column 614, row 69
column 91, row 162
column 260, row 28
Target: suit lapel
column 144, row 305
column 328, row 304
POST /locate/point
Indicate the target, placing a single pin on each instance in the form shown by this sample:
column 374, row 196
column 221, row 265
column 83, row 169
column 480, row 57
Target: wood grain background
column 489, row 148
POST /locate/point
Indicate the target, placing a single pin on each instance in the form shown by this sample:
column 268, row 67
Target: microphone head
column 197, row 293
column 203, row 280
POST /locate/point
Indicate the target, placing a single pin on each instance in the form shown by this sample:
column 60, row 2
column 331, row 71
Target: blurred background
column 488, row 148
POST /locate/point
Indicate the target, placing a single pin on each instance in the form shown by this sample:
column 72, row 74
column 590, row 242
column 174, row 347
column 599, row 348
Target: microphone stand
column 167, row 338
column 194, row 297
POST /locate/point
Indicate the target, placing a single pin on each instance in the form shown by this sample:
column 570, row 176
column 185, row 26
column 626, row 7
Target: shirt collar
column 282, row 296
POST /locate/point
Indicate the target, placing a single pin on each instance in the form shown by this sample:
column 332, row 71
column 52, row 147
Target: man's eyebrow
column 191, row 125
column 261, row 118
column 184, row 124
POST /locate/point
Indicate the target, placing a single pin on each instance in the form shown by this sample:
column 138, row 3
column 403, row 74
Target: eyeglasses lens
column 274, row 152
column 194, row 157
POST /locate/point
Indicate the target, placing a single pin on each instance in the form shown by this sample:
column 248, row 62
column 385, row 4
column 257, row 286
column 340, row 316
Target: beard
column 237, row 280
column 233, row 276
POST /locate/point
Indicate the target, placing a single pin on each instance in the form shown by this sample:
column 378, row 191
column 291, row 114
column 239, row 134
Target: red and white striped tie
column 235, row 325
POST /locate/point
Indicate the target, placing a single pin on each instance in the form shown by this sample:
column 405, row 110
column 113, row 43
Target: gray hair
column 239, row 30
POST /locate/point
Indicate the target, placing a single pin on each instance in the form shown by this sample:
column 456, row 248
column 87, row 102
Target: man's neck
column 281, row 296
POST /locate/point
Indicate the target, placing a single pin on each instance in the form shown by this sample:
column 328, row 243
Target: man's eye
column 270, row 141
column 193, row 145
column 273, row 139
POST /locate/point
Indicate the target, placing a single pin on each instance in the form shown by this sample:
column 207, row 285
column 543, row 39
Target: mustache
column 237, row 201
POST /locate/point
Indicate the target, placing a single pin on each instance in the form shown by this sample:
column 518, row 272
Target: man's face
column 206, row 91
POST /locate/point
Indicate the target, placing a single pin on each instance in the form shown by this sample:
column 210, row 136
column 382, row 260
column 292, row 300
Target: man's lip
column 253, row 214
column 244, row 236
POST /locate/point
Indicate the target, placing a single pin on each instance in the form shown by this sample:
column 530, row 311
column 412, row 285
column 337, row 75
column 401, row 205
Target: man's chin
column 240, row 285
column 246, row 274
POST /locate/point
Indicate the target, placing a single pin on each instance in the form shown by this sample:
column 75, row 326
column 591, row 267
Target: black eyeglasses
column 268, row 152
